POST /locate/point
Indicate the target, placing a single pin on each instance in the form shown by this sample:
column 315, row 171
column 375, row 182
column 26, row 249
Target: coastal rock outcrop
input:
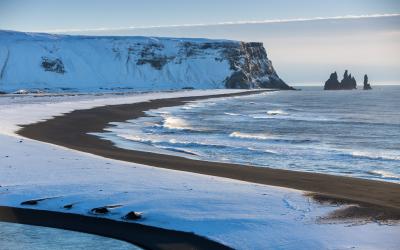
column 348, row 82
column 367, row 86
column 49, row 62
column 332, row 82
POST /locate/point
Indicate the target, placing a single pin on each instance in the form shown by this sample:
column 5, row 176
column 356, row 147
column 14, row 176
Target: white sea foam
column 250, row 136
column 137, row 138
column 276, row 112
column 377, row 155
column 385, row 174
column 286, row 116
column 232, row 114
column 172, row 122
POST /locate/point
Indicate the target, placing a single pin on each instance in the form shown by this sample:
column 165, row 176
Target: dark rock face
column 367, row 86
column 348, row 82
column 53, row 65
column 248, row 61
column 145, row 63
column 152, row 54
column 252, row 68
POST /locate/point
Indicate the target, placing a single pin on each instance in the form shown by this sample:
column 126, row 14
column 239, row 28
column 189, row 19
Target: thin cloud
column 226, row 23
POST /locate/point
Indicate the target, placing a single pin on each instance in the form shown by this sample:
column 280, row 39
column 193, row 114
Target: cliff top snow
column 47, row 62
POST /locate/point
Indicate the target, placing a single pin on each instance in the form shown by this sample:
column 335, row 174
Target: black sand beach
column 71, row 131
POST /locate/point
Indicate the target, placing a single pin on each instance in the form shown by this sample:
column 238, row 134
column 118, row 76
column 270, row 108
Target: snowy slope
column 61, row 62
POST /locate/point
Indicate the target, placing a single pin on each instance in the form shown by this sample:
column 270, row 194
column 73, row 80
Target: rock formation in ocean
column 332, row 83
column 348, row 82
column 37, row 61
column 367, row 86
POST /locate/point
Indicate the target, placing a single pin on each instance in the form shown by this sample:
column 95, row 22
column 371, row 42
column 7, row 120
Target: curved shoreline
column 76, row 125
column 147, row 237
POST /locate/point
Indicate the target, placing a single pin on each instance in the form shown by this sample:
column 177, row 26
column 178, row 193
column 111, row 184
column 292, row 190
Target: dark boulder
column 100, row 210
column 133, row 216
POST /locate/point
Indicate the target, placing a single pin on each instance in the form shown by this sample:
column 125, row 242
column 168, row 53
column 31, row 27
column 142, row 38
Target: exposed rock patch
column 132, row 216
column 53, row 65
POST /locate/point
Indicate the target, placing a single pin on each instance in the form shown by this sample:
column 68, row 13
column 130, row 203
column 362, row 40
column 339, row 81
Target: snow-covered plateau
column 46, row 62
column 239, row 214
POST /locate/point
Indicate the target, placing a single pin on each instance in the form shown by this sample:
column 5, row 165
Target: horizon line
column 266, row 21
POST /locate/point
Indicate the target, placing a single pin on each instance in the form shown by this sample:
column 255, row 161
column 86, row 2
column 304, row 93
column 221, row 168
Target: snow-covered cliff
column 61, row 62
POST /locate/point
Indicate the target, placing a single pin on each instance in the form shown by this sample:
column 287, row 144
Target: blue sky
column 302, row 51
column 32, row 15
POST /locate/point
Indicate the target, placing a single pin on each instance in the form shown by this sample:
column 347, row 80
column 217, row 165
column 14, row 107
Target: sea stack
column 348, row 82
column 332, row 83
column 367, row 86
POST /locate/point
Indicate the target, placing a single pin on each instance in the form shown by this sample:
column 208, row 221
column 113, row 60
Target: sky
column 306, row 40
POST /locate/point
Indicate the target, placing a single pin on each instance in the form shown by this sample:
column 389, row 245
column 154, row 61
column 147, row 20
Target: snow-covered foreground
column 239, row 214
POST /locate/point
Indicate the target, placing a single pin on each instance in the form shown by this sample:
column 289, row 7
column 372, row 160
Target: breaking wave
column 375, row 156
column 250, row 136
column 172, row 122
column 384, row 174
column 232, row 114
column 276, row 112
column 136, row 138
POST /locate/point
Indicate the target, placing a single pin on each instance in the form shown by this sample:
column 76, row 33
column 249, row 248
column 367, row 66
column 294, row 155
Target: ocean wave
column 172, row 122
column 232, row 114
column 376, row 155
column 385, row 174
column 195, row 144
column 276, row 112
column 250, row 136
column 293, row 117
column 178, row 150
column 197, row 105
column 137, row 138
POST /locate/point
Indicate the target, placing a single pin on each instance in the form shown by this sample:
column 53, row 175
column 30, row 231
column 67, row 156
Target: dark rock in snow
column 33, row 202
column 53, row 65
column 252, row 68
column 68, row 206
column 132, row 216
column 100, row 210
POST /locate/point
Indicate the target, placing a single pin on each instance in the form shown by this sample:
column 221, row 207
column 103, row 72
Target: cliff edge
column 94, row 63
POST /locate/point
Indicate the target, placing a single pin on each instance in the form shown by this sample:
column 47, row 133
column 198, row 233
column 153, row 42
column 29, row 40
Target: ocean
column 351, row 133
